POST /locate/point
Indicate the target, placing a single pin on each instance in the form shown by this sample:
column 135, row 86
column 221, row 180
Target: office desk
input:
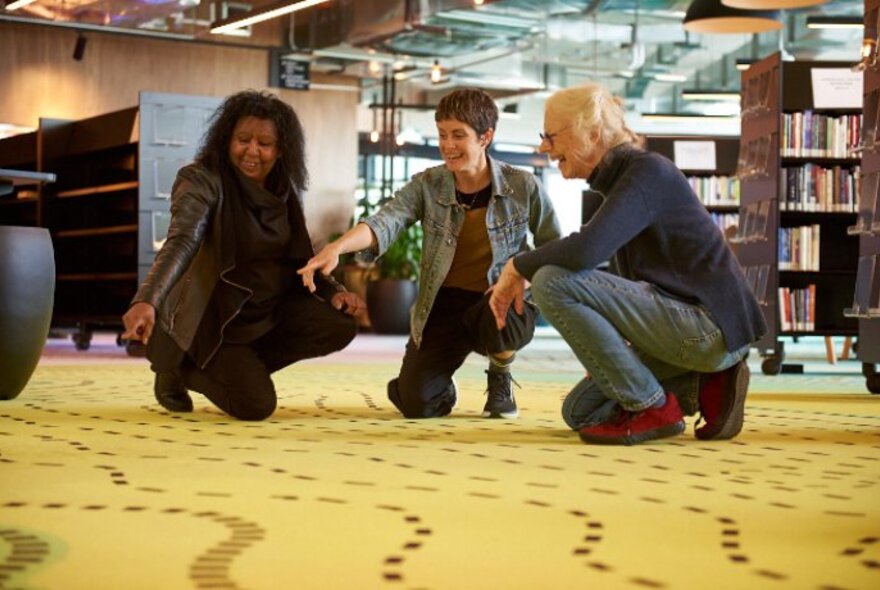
column 12, row 178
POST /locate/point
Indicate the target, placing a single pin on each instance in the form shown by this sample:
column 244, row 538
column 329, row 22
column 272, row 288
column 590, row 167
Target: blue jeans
column 636, row 342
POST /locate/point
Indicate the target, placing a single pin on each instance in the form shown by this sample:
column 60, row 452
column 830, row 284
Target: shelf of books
column 710, row 163
column 800, row 180
column 865, row 307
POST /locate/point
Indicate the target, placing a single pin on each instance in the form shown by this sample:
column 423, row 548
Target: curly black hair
column 290, row 168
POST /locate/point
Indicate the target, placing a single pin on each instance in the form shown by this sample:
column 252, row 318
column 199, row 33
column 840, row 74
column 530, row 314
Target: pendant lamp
column 771, row 4
column 710, row 16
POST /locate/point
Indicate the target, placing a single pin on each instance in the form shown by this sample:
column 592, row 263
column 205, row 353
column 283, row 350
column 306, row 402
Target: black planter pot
column 388, row 304
column 27, row 292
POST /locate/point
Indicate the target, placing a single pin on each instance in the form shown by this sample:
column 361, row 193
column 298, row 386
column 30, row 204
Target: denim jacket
column 518, row 206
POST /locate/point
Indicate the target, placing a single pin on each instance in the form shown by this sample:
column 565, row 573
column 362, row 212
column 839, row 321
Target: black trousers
column 460, row 323
column 237, row 379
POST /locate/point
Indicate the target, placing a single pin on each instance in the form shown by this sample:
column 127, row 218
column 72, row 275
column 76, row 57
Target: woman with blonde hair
column 665, row 330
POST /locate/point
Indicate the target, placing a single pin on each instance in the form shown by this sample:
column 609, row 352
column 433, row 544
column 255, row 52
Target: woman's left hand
column 510, row 288
column 348, row 302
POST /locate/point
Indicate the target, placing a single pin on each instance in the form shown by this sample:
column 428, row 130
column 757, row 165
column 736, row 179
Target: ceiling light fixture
column 261, row 14
column 18, row 4
column 669, row 77
column 374, row 132
column 686, row 117
column 710, row 95
column 710, row 16
column 835, row 22
column 772, row 4
column 436, row 72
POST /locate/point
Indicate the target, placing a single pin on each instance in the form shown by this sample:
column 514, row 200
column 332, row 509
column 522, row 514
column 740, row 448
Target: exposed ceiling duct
column 507, row 46
column 115, row 13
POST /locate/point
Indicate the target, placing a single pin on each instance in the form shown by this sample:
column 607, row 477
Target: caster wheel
column 82, row 340
column 868, row 369
column 873, row 383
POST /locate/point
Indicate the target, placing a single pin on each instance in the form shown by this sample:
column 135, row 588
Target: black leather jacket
column 193, row 260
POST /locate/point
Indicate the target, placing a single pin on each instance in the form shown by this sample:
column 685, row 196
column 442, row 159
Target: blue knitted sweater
column 644, row 217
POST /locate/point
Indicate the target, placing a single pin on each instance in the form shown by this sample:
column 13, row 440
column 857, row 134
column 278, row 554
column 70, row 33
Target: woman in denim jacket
column 476, row 213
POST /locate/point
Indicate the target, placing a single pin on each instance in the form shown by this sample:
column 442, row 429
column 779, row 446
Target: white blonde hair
column 592, row 108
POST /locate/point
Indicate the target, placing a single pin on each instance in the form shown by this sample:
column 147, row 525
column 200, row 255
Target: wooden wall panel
column 41, row 79
column 332, row 160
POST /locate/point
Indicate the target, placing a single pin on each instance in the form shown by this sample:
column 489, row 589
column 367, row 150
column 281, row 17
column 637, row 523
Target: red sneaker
column 722, row 403
column 629, row 428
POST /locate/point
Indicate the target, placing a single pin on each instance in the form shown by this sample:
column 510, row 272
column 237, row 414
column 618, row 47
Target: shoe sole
column 505, row 415
column 175, row 403
column 179, row 409
column 733, row 425
column 632, row 439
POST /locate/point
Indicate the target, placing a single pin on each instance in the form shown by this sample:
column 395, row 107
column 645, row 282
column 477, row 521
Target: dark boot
column 500, row 402
column 171, row 393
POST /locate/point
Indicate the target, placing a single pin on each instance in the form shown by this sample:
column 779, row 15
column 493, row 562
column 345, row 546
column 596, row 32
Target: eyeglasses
column 548, row 137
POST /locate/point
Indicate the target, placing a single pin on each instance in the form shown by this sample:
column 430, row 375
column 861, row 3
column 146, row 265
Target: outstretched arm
column 357, row 238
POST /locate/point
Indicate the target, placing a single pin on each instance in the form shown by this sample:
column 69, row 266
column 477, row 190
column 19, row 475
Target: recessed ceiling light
column 699, row 94
column 835, row 22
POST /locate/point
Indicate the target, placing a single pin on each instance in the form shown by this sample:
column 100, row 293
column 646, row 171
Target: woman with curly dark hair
column 220, row 310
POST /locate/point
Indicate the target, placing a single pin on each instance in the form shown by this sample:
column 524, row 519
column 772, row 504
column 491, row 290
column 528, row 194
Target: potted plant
column 391, row 296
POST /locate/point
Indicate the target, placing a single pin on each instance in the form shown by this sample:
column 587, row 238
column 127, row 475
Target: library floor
column 101, row 489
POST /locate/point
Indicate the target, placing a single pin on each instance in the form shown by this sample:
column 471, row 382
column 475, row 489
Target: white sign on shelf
column 836, row 88
column 694, row 155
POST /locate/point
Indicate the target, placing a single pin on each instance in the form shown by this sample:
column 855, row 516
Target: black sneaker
column 171, row 393
column 499, row 402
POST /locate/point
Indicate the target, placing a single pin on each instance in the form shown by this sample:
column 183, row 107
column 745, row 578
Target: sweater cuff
column 527, row 264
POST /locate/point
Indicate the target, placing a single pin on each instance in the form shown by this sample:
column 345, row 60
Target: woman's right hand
column 139, row 321
column 324, row 262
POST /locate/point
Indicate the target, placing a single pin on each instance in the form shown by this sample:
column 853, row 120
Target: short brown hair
column 469, row 105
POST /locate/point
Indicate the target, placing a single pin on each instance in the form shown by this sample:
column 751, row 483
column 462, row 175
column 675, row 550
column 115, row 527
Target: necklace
column 460, row 197
column 469, row 201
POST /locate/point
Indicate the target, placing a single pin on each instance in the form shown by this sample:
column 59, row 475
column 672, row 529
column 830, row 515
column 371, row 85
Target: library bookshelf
column 865, row 308
column 799, row 173
column 710, row 165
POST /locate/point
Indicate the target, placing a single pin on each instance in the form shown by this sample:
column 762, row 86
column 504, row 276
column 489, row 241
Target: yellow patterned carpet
column 103, row 489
